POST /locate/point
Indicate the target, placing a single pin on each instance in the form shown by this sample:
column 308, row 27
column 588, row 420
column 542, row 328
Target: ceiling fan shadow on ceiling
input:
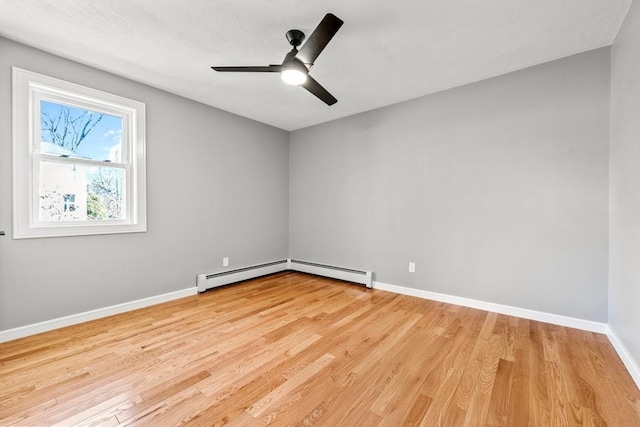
column 297, row 63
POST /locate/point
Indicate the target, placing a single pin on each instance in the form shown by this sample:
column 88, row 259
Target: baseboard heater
column 348, row 274
column 210, row 281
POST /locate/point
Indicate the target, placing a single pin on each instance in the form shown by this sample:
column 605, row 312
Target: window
column 79, row 159
column 69, row 202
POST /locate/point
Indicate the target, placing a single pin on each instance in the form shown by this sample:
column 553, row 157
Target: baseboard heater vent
column 210, row 281
column 348, row 274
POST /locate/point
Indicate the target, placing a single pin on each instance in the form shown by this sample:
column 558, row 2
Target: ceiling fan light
column 293, row 76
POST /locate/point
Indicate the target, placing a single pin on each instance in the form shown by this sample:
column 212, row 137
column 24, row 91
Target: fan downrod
column 295, row 37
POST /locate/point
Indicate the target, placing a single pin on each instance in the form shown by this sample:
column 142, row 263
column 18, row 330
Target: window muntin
column 79, row 160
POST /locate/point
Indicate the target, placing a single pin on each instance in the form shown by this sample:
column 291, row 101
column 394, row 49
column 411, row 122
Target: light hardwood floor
column 294, row 349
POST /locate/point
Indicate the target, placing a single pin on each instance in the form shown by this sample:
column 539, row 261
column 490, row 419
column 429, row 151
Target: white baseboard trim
column 556, row 319
column 48, row 325
column 629, row 363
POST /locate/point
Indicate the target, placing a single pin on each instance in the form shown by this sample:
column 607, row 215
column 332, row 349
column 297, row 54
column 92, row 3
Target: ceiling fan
column 296, row 65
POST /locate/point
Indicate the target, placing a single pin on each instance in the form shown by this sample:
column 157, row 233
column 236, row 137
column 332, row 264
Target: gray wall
column 624, row 276
column 497, row 190
column 217, row 185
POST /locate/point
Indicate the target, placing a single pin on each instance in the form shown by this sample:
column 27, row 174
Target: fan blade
column 319, row 39
column 315, row 88
column 265, row 69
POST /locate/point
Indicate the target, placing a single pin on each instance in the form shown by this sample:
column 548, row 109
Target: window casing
column 59, row 190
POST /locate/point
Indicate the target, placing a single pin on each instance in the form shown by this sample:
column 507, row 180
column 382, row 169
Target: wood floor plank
column 294, row 349
column 500, row 394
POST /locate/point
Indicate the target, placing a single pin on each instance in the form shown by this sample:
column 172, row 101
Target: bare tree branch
column 69, row 131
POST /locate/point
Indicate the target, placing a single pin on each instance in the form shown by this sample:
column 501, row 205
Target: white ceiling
column 386, row 51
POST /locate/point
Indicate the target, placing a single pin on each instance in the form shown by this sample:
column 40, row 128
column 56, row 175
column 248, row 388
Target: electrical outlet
column 412, row 267
column 225, row 262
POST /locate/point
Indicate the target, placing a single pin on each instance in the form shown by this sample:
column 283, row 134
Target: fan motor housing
column 295, row 37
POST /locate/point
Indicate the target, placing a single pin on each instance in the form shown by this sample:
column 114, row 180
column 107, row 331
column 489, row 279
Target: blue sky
column 101, row 139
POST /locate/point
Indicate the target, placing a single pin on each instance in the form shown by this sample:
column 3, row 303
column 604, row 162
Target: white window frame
column 28, row 89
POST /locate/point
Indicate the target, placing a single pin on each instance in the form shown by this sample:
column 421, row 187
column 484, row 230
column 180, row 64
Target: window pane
column 105, row 193
column 75, row 132
column 77, row 192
